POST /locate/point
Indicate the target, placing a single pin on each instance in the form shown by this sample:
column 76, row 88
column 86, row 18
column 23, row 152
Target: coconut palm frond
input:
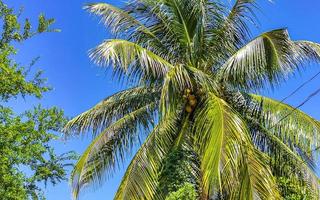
column 176, row 80
column 205, row 81
column 179, row 26
column 228, row 159
column 112, row 108
column 257, row 179
column 233, row 30
column 309, row 49
column 202, row 19
column 268, row 59
column 141, row 178
column 290, row 124
column 269, row 142
column 236, row 23
column 130, row 59
column 109, row 148
column 277, row 142
column 120, row 21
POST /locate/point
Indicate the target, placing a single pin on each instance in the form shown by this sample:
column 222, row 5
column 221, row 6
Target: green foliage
column 177, row 172
column 15, row 79
column 25, row 142
column 293, row 189
column 186, row 192
column 26, row 158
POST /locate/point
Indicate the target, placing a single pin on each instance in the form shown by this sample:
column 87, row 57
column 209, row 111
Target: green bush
column 186, row 192
column 291, row 189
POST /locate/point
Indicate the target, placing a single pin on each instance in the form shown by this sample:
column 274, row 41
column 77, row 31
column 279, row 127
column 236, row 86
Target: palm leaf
column 309, row 49
column 109, row 148
column 306, row 167
column 232, row 29
column 112, row 108
column 130, row 59
column 205, row 81
column 228, row 159
column 141, row 178
column 290, row 124
column 177, row 24
column 235, row 25
column 268, row 59
column 274, row 140
column 176, row 80
column 118, row 20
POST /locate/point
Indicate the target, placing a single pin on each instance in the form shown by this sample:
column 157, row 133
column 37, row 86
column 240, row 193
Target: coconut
column 192, row 97
column 188, row 108
column 193, row 102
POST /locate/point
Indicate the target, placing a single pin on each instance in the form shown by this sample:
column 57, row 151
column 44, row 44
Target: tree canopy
column 27, row 160
column 195, row 65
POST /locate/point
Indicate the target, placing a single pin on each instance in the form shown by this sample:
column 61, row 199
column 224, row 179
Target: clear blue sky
column 79, row 84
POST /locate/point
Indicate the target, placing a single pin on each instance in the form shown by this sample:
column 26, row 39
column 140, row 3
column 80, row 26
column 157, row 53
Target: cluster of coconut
column 192, row 100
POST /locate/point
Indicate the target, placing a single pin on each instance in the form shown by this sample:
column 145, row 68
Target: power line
column 297, row 107
column 316, row 92
column 312, row 95
column 300, row 87
column 301, row 104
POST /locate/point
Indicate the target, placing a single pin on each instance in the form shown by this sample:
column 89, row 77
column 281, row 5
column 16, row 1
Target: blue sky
column 79, row 84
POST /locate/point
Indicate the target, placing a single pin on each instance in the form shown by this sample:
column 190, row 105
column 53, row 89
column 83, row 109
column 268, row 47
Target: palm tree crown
column 195, row 65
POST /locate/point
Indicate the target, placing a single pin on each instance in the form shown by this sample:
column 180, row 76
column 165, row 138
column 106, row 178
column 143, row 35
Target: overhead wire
column 312, row 95
column 300, row 87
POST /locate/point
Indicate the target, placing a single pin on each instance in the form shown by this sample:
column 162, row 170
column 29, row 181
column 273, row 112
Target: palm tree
column 194, row 67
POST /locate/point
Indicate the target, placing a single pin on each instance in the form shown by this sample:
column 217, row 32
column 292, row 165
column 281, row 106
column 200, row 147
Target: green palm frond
column 257, row 179
column 314, row 47
column 130, row 59
column 294, row 127
column 232, row 30
column 274, row 140
column 109, row 148
column 181, row 12
column 309, row 49
column 306, row 167
column 235, row 25
column 118, row 20
column 140, row 180
column 176, row 80
column 135, row 23
column 178, row 25
column 112, row 108
column 203, row 80
column 200, row 45
column 160, row 23
column 290, row 124
column 268, row 59
column 228, row 159
column 172, row 18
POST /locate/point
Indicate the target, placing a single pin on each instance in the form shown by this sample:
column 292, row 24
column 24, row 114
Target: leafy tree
column 177, row 174
column 292, row 189
column 186, row 192
column 195, row 66
column 26, row 158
